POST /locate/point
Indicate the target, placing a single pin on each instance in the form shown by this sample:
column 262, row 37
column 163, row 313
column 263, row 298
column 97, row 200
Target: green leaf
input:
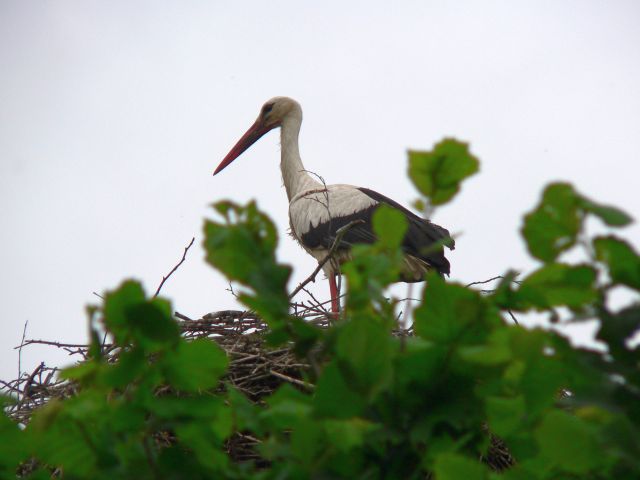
column 126, row 417
column 305, row 334
column 151, row 323
column 537, row 375
column 617, row 329
column 389, row 225
column 540, row 383
column 243, row 248
column 505, row 296
column 286, row 407
column 131, row 364
column 83, row 372
column 242, row 243
column 195, row 365
column 505, row 414
column 420, row 362
column 437, row 174
column 245, row 413
column 622, row 260
column 133, row 318
column 368, row 273
column 344, row 435
column 307, row 441
column 495, row 351
column 554, row 225
column 85, row 405
column 449, row 312
column 14, row 448
column 557, row 284
column 520, row 471
column 568, row 442
column 334, row 397
column 199, row 407
column 116, row 305
column 612, row 216
column 61, row 442
column 365, row 351
column 452, row 466
column 205, row 441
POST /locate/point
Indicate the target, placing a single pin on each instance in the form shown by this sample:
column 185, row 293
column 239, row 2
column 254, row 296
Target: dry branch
column 184, row 256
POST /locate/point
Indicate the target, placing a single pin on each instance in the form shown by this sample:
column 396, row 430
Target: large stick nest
column 254, row 368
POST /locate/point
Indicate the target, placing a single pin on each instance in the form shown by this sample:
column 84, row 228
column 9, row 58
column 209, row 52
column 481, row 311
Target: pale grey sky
column 113, row 115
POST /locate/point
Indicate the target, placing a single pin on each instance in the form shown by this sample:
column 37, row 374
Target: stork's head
column 273, row 114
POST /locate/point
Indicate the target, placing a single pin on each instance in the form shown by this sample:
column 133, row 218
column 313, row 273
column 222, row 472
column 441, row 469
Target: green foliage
column 450, row 466
column 134, row 319
column 437, row 174
column 14, row 447
column 451, row 313
column 557, row 284
column 554, row 225
column 379, row 405
column 621, row 260
column 194, row 366
column 376, row 266
column 243, row 246
column 567, row 442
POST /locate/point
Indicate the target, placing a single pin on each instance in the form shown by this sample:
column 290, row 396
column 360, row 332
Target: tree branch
column 184, row 256
column 483, row 282
column 24, row 334
column 53, row 344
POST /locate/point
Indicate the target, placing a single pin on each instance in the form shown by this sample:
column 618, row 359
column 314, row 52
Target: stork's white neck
column 295, row 177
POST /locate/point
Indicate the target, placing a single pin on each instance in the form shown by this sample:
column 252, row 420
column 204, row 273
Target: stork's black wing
column 423, row 239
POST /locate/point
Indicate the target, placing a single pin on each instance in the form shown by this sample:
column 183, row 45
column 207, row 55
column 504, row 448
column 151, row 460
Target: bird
column 318, row 211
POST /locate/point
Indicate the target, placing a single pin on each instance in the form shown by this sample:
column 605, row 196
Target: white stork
column 317, row 211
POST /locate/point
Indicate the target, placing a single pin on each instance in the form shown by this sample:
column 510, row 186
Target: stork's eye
column 266, row 109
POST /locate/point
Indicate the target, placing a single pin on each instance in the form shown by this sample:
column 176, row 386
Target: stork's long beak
column 257, row 130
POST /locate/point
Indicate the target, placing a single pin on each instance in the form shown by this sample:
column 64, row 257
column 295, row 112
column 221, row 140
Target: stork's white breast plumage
column 312, row 214
column 317, row 211
column 311, row 208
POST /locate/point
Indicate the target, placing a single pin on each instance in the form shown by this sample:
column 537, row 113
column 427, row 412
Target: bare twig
column 483, row 282
column 26, row 390
column 498, row 277
column 24, row 333
column 47, row 342
column 336, row 242
column 317, row 304
column 289, row 379
column 182, row 317
column 407, row 316
column 231, row 290
column 10, row 387
column 184, row 256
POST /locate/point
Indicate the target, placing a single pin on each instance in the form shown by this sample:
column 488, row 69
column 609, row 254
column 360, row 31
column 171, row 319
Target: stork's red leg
column 333, row 289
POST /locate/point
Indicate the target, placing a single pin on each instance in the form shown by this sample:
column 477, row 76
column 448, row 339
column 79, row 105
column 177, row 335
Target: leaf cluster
column 379, row 405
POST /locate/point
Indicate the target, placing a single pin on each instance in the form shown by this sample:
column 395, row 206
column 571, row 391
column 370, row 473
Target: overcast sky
column 113, row 115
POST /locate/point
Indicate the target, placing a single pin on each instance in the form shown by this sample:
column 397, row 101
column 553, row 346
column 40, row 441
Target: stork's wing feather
column 423, row 240
column 434, row 232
